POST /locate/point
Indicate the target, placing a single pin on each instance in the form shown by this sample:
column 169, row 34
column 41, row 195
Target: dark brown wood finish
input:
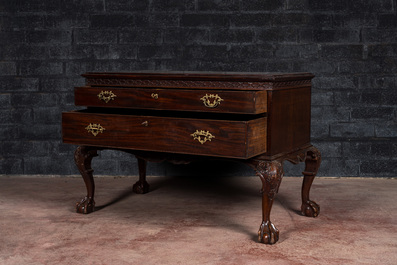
column 261, row 119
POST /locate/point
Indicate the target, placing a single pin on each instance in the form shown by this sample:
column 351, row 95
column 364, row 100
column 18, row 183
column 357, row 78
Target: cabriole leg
column 270, row 173
column 312, row 164
column 141, row 186
column 83, row 157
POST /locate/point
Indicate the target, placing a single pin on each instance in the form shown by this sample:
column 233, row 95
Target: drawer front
column 237, row 139
column 250, row 102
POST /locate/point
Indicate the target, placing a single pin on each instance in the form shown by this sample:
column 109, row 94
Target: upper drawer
column 224, row 101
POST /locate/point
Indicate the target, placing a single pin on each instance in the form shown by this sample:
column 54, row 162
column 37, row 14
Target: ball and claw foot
column 310, row 209
column 268, row 233
column 85, row 206
column 141, row 187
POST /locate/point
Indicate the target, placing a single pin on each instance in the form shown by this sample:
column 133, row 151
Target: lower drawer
column 242, row 138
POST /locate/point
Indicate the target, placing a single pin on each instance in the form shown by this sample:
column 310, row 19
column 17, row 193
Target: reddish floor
column 195, row 221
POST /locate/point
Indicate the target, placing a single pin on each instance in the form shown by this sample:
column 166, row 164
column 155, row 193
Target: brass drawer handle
column 106, row 96
column 155, row 95
column 145, row 123
column 216, row 100
column 202, row 136
column 95, row 129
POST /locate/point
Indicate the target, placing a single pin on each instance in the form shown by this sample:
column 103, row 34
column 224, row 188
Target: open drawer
column 243, row 137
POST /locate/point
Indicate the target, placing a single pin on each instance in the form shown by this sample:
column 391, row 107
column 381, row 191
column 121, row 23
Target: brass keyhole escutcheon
column 155, row 95
column 145, row 123
column 211, row 100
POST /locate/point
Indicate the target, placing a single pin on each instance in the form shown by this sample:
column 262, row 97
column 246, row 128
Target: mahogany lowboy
column 261, row 119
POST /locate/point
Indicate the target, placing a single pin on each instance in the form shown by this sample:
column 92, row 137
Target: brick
column 290, row 18
column 382, row 50
column 141, row 35
column 297, row 5
column 373, row 149
column 387, row 20
column 40, row 132
column 387, row 130
column 379, row 168
column 341, row 51
column 47, row 115
column 296, row 51
column 372, row 113
column 339, row 167
column 163, row 51
column 231, row 36
column 187, row 36
column 329, row 148
column 8, row 68
column 38, row 165
column 251, row 20
column 354, row 20
column 379, row 35
column 95, row 36
column 330, row 113
column 60, row 84
column 126, row 5
column 204, row 20
column 41, row 68
column 5, row 116
column 335, row 5
column 34, row 99
column 320, row 67
column 5, row 100
column 12, row 37
column 262, row 5
column 22, row 115
column 10, row 166
column 320, row 130
column 72, row 52
column 15, row 148
column 323, row 98
column 112, row 21
column 378, row 82
column 76, row 68
column 278, row 35
column 222, row 5
column 352, row 130
column 388, row 98
column 31, row 52
column 13, row 84
column 334, row 36
column 49, row 36
column 170, row 5
column 349, row 98
column 335, row 83
column 9, row 132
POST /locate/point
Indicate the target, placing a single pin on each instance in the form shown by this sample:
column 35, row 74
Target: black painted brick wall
column 351, row 47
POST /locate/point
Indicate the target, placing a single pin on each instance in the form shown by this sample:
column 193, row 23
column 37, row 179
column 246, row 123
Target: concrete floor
column 186, row 220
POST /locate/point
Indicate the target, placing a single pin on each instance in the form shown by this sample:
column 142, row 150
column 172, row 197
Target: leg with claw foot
column 82, row 157
column 270, row 173
column 141, row 186
column 312, row 163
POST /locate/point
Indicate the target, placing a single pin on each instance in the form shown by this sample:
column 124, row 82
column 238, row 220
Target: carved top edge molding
column 125, row 82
